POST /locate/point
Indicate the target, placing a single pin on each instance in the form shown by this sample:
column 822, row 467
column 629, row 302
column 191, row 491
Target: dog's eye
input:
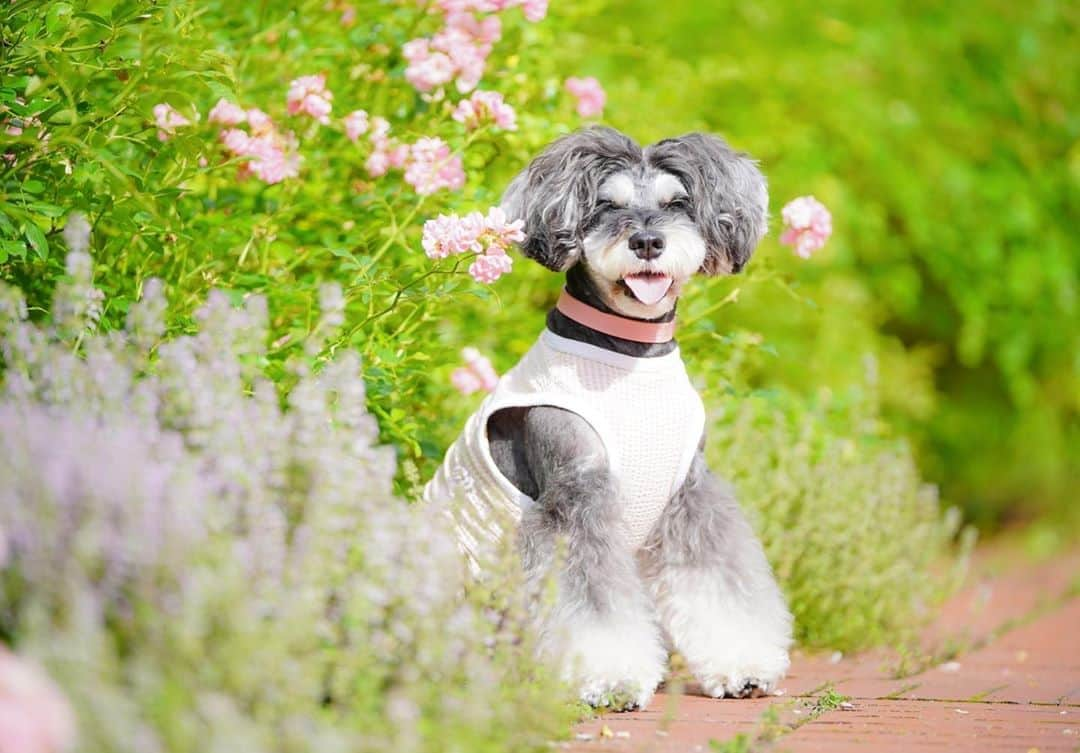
column 604, row 205
column 678, row 204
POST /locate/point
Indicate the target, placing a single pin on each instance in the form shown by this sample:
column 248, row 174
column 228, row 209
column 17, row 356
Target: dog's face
column 642, row 222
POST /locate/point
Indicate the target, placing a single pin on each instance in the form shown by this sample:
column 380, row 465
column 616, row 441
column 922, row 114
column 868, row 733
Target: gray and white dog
column 629, row 227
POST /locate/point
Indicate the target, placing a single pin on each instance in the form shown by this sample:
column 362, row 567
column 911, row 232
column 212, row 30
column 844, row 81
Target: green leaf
column 95, row 19
column 344, row 253
column 126, row 12
column 12, row 248
column 220, row 91
column 37, row 241
column 33, row 83
column 57, row 17
column 45, row 209
column 66, row 116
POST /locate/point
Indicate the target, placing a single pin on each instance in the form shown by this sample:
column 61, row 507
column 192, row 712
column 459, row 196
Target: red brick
column 901, row 726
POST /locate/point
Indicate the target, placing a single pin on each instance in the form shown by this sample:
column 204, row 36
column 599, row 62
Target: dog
column 591, row 448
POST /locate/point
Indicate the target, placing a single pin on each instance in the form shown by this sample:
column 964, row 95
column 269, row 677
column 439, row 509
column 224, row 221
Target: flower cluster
column 356, row 124
column 485, row 107
column 271, row 155
column 431, row 167
column 807, row 225
column 459, row 50
column 387, row 152
column 168, row 119
column 534, row 10
column 589, row 94
column 477, row 373
column 309, row 95
column 228, row 113
column 429, row 164
column 489, row 237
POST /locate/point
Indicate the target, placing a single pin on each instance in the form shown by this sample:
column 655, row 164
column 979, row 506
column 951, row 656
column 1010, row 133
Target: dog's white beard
column 609, row 262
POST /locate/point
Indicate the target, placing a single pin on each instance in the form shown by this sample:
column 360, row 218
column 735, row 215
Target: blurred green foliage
column 944, row 138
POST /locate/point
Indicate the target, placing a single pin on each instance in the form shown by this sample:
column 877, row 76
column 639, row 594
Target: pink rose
column 477, row 373
column 259, row 121
column 490, row 266
column 309, row 95
column 34, row 715
column 485, row 107
column 427, row 69
column 168, row 120
column 432, row 167
column 807, row 225
column 449, row 235
column 235, row 140
column 505, row 232
column 356, row 124
column 590, row 96
column 535, row 10
column 227, row 113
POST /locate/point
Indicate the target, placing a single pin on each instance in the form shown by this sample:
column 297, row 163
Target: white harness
column 645, row 411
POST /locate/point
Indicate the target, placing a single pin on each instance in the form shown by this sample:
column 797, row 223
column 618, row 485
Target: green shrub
column 941, row 137
column 857, row 539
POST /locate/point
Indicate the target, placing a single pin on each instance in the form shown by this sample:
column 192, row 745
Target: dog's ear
column 557, row 192
column 729, row 194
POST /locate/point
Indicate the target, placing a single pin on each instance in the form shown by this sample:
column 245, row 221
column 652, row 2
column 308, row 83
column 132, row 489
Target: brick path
column 1000, row 671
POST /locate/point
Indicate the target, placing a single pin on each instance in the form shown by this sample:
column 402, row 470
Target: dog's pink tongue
column 648, row 289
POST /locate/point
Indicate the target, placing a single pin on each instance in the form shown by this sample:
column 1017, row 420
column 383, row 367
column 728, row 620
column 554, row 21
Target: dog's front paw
column 735, row 686
column 616, row 695
column 749, row 676
column 614, row 665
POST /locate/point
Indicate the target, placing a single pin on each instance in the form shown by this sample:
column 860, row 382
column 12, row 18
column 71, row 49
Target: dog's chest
column 645, row 411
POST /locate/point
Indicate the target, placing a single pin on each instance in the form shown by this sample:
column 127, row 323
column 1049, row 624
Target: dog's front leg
column 601, row 626
column 718, row 601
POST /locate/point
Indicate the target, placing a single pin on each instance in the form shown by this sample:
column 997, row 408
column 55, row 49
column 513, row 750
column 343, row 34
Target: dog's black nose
column 646, row 244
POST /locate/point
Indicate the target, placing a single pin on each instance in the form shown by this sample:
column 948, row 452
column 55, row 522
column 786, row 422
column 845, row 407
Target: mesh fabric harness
column 645, row 411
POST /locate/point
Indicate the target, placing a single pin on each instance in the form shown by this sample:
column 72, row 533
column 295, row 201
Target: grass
column 781, row 719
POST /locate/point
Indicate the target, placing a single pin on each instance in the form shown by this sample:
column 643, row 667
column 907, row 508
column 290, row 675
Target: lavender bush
column 204, row 563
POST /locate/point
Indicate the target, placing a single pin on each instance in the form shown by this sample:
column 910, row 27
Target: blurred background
column 944, row 137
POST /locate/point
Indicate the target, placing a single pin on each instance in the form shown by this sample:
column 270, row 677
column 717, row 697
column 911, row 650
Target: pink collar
column 616, row 326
